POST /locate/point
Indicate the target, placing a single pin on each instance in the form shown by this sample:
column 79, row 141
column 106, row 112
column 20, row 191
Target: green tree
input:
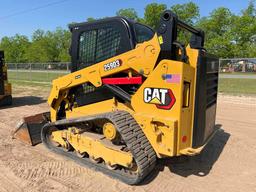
column 15, row 48
column 250, row 10
column 64, row 41
column 243, row 29
column 36, row 51
column 50, row 46
column 152, row 14
column 89, row 19
column 188, row 12
column 129, row 13
column 218, row 31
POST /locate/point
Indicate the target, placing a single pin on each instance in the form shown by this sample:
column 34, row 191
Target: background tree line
column 228, row 35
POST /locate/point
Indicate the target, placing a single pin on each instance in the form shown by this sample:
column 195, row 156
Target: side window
column 143, row 33
column 87, row 45
column 108, row 43
column 98, row 45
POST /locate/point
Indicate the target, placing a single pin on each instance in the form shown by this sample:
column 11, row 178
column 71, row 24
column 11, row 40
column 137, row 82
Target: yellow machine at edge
column 133, row 95
column 5, row 86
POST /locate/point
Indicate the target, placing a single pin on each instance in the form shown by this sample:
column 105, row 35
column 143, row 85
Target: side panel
column 165, row 126
column 186, row 115
column 205, row 98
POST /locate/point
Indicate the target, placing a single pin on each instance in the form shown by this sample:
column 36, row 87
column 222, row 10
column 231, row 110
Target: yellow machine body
column 165, row 129
column 5, row 86
column 131, row 100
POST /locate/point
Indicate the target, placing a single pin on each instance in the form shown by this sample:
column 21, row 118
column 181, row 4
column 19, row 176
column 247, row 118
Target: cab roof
column 125, row 20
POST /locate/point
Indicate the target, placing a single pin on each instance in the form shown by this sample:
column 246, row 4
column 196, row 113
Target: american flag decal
column 172, row 78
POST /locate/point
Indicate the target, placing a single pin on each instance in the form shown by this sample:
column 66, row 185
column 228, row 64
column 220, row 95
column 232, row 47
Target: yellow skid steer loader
column 133, row 95
column 5, row 87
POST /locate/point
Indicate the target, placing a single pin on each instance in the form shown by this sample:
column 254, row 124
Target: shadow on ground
column 25, row 100
column 199, row 165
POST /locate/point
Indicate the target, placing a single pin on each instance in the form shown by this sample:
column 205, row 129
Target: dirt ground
column 226, row 164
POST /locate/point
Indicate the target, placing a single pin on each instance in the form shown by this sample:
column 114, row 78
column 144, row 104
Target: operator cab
column 93, row 42
column 97, row 41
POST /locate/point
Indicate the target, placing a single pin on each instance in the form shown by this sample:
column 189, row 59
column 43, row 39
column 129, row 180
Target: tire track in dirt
column 34, row 175
column 33, row 167
column 53, row 184
column 8, row 185
column 56, row 169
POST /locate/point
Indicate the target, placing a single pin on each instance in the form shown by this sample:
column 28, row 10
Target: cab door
column 94, row 42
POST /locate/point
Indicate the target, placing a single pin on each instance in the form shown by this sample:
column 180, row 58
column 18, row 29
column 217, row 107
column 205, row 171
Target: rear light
column 184, row 139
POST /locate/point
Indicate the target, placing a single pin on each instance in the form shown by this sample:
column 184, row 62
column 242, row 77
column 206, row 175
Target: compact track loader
column 5, row 87
column 134, row 95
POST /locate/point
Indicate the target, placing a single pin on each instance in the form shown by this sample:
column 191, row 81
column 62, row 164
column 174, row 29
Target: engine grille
column 206, row 98
column 212, row 88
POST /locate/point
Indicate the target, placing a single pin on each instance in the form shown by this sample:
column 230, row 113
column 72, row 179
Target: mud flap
column 29, row 129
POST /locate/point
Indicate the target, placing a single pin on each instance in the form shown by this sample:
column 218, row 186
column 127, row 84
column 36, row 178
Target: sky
column 26, row 16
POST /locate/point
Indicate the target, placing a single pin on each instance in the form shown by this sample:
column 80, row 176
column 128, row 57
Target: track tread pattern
column 132, row 135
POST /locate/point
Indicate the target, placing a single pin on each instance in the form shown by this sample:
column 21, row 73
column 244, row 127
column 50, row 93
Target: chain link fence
column 37, row 72
column 46, row 72
column 238, row 65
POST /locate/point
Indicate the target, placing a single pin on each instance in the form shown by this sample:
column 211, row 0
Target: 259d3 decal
column 112, row 65
column 161, row 97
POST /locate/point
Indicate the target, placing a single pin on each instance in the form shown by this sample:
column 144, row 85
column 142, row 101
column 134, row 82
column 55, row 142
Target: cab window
column 98, row 45
column 143, row 33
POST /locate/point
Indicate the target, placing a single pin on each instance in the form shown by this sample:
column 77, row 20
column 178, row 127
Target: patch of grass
column 30, row 83
column 238, row 73
column 33, row 88
column 36, row 76
column 237, row 86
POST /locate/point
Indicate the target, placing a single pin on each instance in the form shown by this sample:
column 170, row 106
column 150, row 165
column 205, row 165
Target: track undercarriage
column 128, row 156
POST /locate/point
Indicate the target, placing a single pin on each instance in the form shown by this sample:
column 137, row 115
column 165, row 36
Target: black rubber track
column 130, row 132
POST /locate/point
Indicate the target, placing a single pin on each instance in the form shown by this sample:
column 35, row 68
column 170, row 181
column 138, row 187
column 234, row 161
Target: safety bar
column 168, row 30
